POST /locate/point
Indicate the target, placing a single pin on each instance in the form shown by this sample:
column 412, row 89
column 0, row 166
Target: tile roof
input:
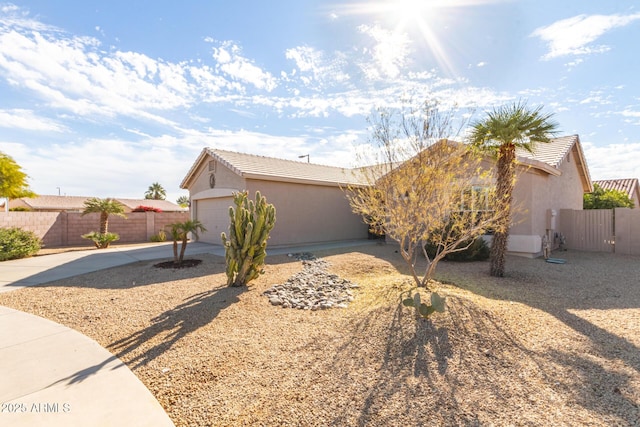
column 551, row 153
column 271, row 168
column 55, row 202
column 628, row 186
column 555, row 152
column 76, row 203
column 163, row 205
column 547, row 157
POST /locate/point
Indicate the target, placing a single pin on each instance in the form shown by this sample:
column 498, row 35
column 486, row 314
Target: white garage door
column 214, row 215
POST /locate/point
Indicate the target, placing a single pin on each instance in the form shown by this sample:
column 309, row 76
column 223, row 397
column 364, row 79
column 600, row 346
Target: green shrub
column 160, row 237
column 20, row 209
column 17, row 243
column 478, row 250
column 101, row 240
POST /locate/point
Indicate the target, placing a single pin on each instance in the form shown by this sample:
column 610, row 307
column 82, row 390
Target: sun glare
column 421, row 18
column 429, row 20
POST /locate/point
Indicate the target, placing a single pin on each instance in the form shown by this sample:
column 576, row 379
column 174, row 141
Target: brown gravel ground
column 548, row 345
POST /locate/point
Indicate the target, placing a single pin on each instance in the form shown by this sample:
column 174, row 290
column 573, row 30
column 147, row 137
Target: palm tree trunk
column 104, row 222
column 183, row 248
column 175, row 249
column 505, row 184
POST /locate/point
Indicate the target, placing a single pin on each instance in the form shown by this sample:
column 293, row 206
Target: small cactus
column 245, row 248
column 423, row 310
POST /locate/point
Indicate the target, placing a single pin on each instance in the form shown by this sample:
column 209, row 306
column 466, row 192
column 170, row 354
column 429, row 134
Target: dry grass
column 546, row 345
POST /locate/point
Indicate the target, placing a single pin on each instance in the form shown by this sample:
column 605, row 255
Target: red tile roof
column 628, row 186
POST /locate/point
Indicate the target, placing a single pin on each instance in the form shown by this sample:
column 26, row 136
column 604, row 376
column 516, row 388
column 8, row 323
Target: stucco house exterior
column 628, row 186
column 554, row 177
column 311, row 205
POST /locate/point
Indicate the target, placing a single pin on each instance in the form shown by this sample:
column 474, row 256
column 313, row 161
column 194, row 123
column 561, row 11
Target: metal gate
column 602, row 230
column 588, row 230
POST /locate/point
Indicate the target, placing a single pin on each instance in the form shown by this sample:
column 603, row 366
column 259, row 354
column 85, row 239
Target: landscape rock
column 314, row 288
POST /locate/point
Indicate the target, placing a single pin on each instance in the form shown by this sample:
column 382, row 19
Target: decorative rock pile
column 313, row 288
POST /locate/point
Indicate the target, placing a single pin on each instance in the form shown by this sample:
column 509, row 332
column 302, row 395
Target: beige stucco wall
column 309, row 213
column 305, row 213
column 225, row 178
column 537, row 195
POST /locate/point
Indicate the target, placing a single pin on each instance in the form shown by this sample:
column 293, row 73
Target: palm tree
column 155, row 192
column 104, row 207
column 503, row 131
column 183, row 201
column 180, row 231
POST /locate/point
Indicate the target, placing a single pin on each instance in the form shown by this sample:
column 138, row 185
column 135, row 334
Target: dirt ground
column 547, row 345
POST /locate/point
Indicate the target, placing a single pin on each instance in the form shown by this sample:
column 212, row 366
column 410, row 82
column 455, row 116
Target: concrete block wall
column 67, row 228
column 41, row 223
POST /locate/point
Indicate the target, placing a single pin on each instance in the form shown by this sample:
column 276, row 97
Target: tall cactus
column 245, row 248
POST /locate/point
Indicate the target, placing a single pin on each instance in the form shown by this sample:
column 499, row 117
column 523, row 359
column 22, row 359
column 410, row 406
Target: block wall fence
column 66, row 228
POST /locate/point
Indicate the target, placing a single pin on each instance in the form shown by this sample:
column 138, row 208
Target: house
column 311, row 206
column 555, row 176
column 76, row 204
column 627, row 186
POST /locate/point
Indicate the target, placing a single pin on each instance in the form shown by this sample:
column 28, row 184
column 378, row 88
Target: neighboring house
column 311, row 206
column 76, row 204
column 628, row 186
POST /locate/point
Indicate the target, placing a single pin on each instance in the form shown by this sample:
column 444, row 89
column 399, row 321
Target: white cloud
column 314, row 69
column 231, row 62
column 390, row 53
column 574, row 36
column 26, row 119
column 614, row 161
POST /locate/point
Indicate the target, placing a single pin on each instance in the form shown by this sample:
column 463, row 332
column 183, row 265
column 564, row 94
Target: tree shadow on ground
column 590, row 282
column 426, row 367
column 145, row 345
column 168, row 328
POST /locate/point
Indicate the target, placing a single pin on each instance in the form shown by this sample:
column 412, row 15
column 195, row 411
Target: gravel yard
column 547, row 345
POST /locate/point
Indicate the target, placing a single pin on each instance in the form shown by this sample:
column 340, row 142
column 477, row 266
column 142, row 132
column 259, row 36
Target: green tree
column 503, row 131
column 606, row 199
column 183, row 201
column 104, row 207
column 13, row 181
column 179, row 231
column 155, row 192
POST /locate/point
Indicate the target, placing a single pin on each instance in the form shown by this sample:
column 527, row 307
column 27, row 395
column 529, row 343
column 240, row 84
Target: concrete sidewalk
column 54, row 376
column 51, row 375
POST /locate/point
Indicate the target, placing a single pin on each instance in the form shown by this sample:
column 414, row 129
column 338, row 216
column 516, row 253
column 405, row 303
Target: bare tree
column 423, row 186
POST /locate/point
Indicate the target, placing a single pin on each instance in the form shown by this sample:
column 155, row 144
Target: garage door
column 214, row 215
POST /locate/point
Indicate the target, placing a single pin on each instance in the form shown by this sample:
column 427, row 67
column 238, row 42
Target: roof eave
column 537, row 164
column 293, row 180
column 193, row 169
column 587, row 185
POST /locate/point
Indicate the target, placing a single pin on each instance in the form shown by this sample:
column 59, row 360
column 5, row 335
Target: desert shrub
column 101, row 240
column 478, row 250
column 20, row 209
column 160, row 237
column 17, row 243
column 146, row 209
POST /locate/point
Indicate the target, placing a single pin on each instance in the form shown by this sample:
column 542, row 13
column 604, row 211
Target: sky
column 104, row 98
